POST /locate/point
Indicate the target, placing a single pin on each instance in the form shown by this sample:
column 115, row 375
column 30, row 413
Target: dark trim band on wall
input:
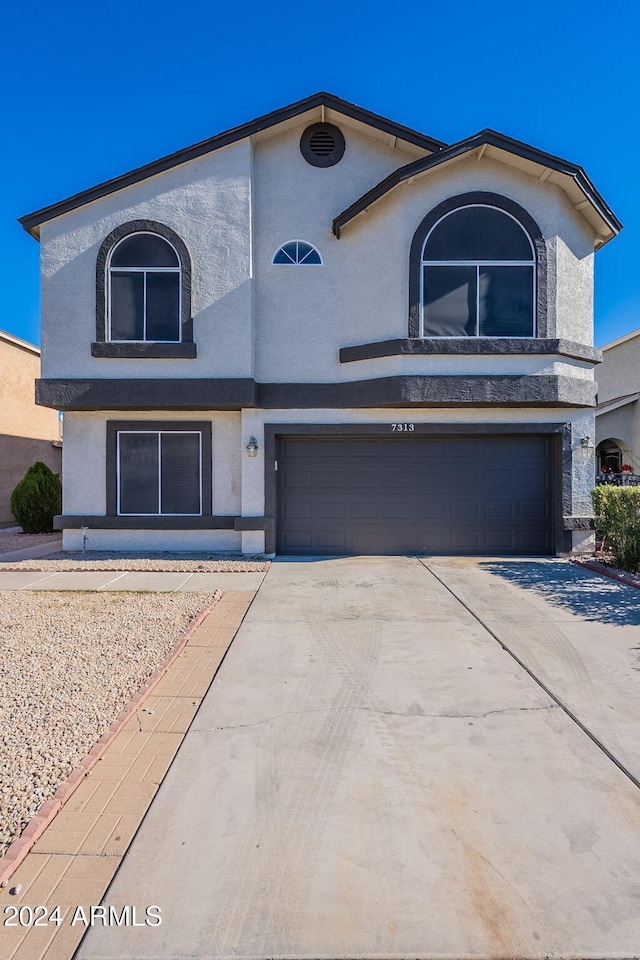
column 124, row 230
column 462, row 200
column 238, row 524
column 469, row 346
column 399, row 391
column 145, row 351
column 201, row 426
column 579, row 523
column 435, row 391
column 166, row 394
column 561, row 432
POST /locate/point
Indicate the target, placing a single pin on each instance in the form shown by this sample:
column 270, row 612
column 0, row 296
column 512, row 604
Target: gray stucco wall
column 208, row 203
column 235, row 207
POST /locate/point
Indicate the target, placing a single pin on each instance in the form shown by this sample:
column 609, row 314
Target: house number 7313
column 403, row 427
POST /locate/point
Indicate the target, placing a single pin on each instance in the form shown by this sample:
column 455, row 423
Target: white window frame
column 478, row 264
column 145, row 271
column 159, row 434
column 297, row 263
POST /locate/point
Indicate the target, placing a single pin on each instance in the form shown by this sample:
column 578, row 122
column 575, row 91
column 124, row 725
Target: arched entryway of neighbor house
column 611, row 454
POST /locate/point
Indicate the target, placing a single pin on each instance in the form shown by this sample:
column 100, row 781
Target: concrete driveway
column 373, row 775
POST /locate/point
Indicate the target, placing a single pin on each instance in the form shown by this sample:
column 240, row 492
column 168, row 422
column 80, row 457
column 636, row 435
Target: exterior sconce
column 252, row 447
column 586, row 443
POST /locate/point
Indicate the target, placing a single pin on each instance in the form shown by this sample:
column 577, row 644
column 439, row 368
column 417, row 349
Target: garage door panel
column 415, row 494
column 331, row 510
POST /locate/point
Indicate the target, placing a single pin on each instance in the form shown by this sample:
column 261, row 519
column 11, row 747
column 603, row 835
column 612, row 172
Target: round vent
column 322, row 145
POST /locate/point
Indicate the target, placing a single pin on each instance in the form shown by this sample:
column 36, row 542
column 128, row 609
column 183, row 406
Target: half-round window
column 144, row 283
column 298, row 252
column 478, row 276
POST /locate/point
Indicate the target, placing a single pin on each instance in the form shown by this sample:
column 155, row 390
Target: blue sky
column 93, row 90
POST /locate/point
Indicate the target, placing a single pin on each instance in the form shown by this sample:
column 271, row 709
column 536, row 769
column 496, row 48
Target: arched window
column 144, row 290
column 298, row 252
column 477, row 275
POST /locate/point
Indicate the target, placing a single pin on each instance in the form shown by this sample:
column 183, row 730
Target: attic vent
column 322, row 145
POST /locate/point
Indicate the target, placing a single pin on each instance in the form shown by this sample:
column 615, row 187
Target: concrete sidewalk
column 133, row 580
column 372, row 775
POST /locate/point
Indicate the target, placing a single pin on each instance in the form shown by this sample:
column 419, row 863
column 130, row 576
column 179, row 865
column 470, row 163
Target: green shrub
column 37, row 499
column 617, row 511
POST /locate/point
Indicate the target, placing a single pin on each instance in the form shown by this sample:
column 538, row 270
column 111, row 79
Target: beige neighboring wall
column 619, row 373
column 618, row 379
column 27, row 432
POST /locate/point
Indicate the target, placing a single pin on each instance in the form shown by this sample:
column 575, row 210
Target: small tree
column 617, row 511
column 37, row 499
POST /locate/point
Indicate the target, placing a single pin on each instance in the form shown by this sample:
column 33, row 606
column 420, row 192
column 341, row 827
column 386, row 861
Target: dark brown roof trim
column 33, row 220
column 491, row 138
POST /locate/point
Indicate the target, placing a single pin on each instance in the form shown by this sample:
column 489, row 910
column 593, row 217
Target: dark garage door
column 421, row 494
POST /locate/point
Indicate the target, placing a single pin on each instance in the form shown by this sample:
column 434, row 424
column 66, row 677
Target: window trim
column 504, row 205
column 297, row 263
column 115, row 427
column 103, row 268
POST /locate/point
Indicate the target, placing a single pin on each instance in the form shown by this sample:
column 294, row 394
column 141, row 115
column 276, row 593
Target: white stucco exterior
column 233, row 208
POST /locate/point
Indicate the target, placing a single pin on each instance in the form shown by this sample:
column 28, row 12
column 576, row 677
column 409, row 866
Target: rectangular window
column 505, row 299
column 127, row 306
column 163, row 306
column 159, row 473
column 449, row 301
column 478, row 300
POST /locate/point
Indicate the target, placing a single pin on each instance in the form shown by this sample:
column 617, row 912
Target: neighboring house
column 28, row 433
column 618, row 410
column 322, row 333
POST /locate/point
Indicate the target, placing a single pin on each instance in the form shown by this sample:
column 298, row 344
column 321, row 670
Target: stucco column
column 253, row 541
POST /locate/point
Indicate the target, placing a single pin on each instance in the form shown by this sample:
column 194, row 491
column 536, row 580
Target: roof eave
column 499, row 141
column 32, row 221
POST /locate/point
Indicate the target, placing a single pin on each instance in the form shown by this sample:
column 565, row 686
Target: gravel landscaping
column 165, row 562
column 68, row 665
column 21, row 541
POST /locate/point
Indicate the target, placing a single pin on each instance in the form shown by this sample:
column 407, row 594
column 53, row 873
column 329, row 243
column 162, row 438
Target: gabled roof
column 32, row 221
column 544, row 166
column 625, row 339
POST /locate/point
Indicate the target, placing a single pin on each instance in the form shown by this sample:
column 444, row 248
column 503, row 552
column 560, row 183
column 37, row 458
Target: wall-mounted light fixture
column 586, row 443
column 252, row 447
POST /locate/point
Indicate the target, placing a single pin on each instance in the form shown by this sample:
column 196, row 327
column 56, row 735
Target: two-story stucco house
column 324, row 333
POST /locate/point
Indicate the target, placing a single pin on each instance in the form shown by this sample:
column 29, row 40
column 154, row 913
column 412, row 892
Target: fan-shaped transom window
column 144, row 290
column 478, row 276
column 298, row 252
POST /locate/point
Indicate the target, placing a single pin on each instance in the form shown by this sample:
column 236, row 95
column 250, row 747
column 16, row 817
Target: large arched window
column 143, row 290
column 477, row 270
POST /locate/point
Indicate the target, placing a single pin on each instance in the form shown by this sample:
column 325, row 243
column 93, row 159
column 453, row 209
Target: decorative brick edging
column 17, row 851
column 120, row 570
column 595, row 567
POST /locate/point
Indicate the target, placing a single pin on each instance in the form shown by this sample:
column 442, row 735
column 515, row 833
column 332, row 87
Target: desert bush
column 37, row 499
column 617, row 511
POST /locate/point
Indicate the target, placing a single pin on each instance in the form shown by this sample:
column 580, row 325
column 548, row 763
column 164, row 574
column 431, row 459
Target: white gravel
column 21, row 541
column 167, row 562
column 68, row 665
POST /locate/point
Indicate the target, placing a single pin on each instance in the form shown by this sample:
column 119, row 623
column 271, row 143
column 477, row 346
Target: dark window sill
column 146, row 351
column 469, row 346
